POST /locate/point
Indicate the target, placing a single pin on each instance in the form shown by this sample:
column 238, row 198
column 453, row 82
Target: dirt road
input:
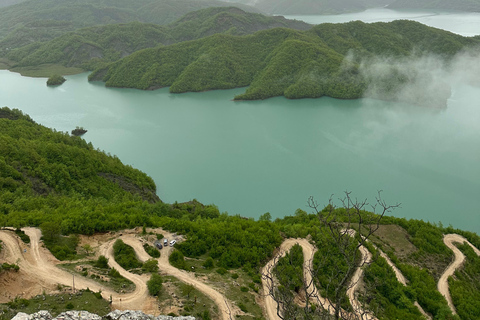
column 442, row 285
column 38, row 264
column 38, row 267
column 224, row 306
column 308, row 252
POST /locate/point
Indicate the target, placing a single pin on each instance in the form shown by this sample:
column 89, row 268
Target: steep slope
column 86, row 47
column 37, row 161
column 325, row 60
column 460, row 5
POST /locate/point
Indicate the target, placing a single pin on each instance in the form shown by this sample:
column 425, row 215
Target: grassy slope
column 89, row 47
column 285, row 62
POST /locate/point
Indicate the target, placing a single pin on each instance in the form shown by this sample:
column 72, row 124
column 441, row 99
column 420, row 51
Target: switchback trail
column 308, row 253
column 442, row 286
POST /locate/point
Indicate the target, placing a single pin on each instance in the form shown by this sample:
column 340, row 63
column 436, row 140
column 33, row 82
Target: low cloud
column 420, row 80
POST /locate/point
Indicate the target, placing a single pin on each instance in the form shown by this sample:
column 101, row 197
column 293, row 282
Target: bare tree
column 339, row 222
column 344, row 245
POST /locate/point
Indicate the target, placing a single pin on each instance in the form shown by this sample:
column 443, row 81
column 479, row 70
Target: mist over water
column 270, row 156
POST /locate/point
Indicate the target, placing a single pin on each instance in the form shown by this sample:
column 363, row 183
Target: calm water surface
column 466, row 24
column 270, row 156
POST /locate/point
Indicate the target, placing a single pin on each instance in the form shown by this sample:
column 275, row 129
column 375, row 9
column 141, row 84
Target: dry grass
column 395, row 238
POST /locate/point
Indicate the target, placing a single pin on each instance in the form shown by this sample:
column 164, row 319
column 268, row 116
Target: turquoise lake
column 249, row 158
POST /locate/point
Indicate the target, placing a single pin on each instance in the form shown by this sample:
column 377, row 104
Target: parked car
column 159, row 245
column 165, row 242
column 172, row 243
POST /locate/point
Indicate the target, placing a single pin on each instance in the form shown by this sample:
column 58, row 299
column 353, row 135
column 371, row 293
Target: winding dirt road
column 224, row 306
column 308, row 253
column 38, row 263
column 442, row 285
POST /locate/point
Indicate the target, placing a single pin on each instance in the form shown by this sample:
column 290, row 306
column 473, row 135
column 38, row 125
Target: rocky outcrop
column 84, row 315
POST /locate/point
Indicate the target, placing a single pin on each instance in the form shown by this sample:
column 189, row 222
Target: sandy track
column 39, row 264
column 139, row 298
column 401, row 278
column 223, row 305
column 308, row 252
column 442, row 285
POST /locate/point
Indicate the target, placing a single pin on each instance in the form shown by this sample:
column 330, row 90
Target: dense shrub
column 154, row 285
column 125, row 255
column 177, row 260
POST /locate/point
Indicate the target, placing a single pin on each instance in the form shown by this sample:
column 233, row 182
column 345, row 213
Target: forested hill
column 459, row 5
column 292, row 63
column 87, row 47
column 38, row 162
column 41, row 20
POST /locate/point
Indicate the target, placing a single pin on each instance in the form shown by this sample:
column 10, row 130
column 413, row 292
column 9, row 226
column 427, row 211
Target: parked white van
column 172, row 242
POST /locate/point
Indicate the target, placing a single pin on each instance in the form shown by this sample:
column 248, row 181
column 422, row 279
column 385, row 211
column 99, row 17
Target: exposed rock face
column 84, row 315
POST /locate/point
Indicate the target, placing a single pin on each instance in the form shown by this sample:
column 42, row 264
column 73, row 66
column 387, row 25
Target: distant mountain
column 87, row 47
column 324, row 61
column 40, row 20
column 460, row 5
column 293, row 7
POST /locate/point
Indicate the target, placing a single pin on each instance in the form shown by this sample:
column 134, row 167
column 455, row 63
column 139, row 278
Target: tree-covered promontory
column 326, row 60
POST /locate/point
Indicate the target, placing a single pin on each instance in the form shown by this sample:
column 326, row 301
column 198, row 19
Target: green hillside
column 88, row 47
column 40, row 20
column 458, row 5
column 37, row 161
column 296, row 64
column 63, row 184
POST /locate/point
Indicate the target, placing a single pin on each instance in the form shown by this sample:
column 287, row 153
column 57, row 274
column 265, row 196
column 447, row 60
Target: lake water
column 466, row 24
column 270, row 156
column 249, row 158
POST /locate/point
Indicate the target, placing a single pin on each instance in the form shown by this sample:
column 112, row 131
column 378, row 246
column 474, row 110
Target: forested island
column 66, row 187
column 55, row 80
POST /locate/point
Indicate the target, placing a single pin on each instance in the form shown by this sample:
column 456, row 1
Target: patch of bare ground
column 394, row 238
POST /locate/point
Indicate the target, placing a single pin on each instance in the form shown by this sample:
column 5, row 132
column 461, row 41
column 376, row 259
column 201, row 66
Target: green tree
column 150, row 266
column 177, row 260
column 154, row 285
